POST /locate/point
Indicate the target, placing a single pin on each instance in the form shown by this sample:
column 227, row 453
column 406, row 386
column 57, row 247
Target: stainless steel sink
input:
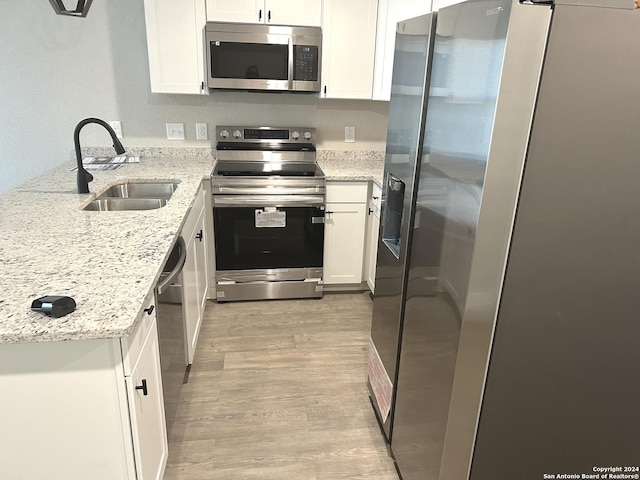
column 140, row 190
column 120, row 204
column 134, row 196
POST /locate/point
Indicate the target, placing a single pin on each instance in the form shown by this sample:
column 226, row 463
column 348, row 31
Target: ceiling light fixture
column 81, row 9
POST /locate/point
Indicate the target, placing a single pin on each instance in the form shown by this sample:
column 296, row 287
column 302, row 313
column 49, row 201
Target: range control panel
column 279, row 135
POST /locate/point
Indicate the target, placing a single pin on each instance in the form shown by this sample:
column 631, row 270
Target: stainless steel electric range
column 268, row 214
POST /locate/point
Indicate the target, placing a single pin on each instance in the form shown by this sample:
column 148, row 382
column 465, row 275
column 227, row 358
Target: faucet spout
column 85, row 177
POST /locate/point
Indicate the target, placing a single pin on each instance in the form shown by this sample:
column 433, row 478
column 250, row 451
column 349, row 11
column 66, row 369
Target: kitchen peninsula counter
column 107, row 261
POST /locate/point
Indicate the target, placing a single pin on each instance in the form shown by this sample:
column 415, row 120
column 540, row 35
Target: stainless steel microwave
column 263, row 57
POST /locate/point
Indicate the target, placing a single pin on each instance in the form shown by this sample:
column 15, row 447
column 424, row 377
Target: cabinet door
column 175, row 45
column 348, row 45
column 194, row 273
column 372, row 249
column 200, row 250
column 146, row 409
column 248, row 11
column 344, row 242
column 190, row 297
column 300, row 12
column 437, row 4
column 373, row 227
column 390, row 12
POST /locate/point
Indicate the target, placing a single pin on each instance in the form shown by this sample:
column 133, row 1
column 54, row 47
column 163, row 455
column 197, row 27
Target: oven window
column 289, row 239
column 249, row 60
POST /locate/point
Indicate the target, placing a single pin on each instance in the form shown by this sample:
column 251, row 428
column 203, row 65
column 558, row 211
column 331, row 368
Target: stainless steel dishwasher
column 173, row 359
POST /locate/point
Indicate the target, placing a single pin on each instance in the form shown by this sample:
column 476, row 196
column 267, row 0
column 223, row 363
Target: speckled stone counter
column 352, row 164
column 107, row 261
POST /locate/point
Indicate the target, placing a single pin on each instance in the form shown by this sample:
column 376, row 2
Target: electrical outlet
column 175, row 131
column 117, row 127
column 350, row 134
column 201, row 131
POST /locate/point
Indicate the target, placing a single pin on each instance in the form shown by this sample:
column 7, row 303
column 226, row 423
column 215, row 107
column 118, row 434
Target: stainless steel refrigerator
column 517, row 348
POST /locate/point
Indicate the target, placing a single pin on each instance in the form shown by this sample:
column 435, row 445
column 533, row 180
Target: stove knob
column 295, row 135
column 224, row 133
column 237, row 134
column 307, row 135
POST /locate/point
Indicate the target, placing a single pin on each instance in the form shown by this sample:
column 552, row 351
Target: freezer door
column 469, row 50
column 406, row 123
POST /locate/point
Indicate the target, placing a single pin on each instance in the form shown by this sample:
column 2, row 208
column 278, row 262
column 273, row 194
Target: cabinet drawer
column 132, row 345
column 347, row 192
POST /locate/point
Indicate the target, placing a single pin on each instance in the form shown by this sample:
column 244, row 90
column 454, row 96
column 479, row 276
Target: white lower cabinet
column 71, row 409
column 194, row 273
column 146, row 409
column 345, row 219
column 373, row 227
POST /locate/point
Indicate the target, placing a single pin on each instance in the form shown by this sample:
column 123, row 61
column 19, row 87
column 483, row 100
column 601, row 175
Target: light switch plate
column 349, row 134
column 175, row 131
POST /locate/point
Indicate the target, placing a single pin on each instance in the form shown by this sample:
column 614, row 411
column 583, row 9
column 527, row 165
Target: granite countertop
column 352, row 164
column 107, row 261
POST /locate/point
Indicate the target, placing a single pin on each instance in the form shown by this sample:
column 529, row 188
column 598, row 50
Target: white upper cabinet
column 300, row 12
column 176, row 46
column 437, row 4
column 348, row 46
column 390, row 12
column 235, row 11
column 277, row 12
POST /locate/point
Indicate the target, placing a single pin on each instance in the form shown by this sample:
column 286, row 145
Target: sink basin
column 120, row 204
column 144, row 190
column 134, row 196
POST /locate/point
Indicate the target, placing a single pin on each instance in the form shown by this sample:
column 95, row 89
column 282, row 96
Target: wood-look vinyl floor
column 278, row 390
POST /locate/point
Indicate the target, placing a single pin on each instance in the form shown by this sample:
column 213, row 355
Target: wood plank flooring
column 278, row 390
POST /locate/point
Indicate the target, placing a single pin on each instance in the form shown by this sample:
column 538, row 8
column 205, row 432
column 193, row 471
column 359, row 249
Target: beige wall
column 55, row 71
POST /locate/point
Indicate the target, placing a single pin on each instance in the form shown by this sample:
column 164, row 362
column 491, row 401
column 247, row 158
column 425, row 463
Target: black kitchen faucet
column 85, row 177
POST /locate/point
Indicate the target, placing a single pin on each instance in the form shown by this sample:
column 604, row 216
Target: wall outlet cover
column 117, row 127
column 175, row 131
column 201, row 131
column 349, row 134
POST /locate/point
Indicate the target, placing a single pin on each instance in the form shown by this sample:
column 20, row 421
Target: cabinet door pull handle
column 260, row 15
column 269, row 16
column 328, row 212
column 199, row 235
column 370, row 211
column 150, row 309
column 143, row 387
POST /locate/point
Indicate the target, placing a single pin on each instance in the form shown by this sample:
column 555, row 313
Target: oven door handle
column 268, row 200
column 273, row 190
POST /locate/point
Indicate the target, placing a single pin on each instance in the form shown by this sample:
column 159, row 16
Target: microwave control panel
column 306, row 63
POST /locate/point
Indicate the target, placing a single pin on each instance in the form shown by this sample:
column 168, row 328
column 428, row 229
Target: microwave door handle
column 291, row 60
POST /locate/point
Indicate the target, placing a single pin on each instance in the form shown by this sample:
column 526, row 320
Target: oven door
column 268, row 236
column 246, row 61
